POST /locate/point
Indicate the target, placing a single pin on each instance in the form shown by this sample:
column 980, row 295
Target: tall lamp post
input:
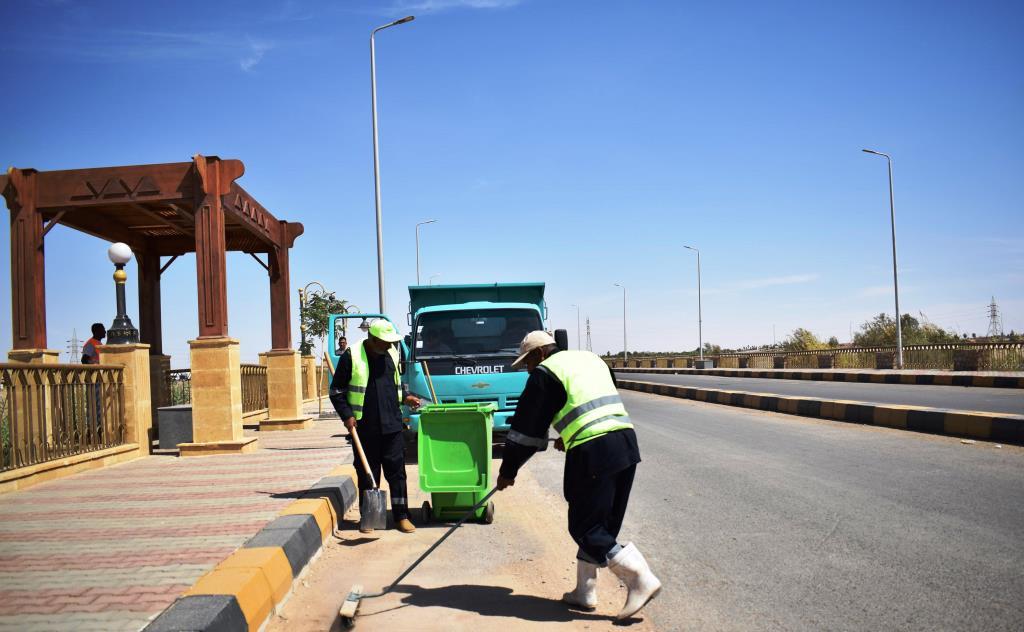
column 429, row 221
column 700, row 315
column 303, row 295
column 376, row 156
column 577, row 326
column 430, row 281
column 895, row 279
column 122, row 331
column 625, row 353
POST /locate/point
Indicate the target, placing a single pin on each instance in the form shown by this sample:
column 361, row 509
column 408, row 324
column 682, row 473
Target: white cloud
column 756, row 284
column 444, row 5
column 257, row 49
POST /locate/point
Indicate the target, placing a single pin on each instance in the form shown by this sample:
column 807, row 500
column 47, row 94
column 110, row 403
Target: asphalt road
column 761, row 521
column 996, row 400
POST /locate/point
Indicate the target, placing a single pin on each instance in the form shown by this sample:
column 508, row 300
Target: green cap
column 384, row 330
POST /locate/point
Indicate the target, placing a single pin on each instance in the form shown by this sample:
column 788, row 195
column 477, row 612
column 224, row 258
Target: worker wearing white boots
column 575, row 392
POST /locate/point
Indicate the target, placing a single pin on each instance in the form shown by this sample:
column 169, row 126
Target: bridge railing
column 51, row 412
column 996, row 356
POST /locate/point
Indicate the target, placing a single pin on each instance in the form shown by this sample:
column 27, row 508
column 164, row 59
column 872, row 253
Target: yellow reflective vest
column 361, row 377
column 592, row 405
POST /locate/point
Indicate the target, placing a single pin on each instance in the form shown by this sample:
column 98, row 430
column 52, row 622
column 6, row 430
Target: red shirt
column 91, row 350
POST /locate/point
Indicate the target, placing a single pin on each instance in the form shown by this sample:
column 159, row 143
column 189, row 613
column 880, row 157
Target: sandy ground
column 509, row 575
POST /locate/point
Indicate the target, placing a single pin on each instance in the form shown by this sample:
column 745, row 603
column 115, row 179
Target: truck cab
column 466, row 338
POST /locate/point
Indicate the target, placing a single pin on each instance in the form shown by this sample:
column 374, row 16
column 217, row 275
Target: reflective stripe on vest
column 592, row 406
column 361, row 377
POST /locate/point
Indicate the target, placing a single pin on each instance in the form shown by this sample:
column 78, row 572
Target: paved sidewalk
column 109, row 549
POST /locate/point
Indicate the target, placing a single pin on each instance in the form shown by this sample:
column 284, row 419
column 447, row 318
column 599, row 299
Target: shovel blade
column 373, row 510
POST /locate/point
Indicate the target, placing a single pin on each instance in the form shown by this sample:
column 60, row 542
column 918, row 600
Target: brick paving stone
column 109, row 549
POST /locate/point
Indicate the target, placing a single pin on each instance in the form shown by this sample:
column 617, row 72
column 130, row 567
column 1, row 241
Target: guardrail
column 179, row 385
column 1007, row 356
column 254, row 388
column 50, row 412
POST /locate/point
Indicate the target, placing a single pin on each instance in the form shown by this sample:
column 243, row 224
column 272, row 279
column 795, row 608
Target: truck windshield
column 473, row 333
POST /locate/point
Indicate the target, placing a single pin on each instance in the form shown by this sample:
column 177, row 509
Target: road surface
column 994, row 400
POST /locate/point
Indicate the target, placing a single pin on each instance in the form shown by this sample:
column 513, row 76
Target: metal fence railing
column 179, row 386
column 50, row 412
column 254, row 387
column 995, row 356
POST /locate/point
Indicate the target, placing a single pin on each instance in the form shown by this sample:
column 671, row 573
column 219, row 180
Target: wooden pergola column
column 215, row 358
column 28, row 271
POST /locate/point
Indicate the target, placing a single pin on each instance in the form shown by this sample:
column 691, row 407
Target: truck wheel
column 489, row 513
column 427, row 517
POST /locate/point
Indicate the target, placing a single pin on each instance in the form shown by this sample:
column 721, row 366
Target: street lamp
column 700, row 317
column 122, row 331
column 577, row 326
column 429, row 221
column 376, row 156
column 625, row 353
column 430, row 281
column 303, row 295
column 895, row 280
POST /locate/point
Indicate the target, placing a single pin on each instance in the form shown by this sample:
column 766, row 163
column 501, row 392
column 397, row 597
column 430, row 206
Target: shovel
column 373, row 506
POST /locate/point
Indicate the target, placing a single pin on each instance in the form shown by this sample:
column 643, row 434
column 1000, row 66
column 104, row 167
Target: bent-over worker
column 366, row 392
column 575, row 391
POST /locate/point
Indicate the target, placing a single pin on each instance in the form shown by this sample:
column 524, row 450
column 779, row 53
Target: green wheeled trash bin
column 454, row 453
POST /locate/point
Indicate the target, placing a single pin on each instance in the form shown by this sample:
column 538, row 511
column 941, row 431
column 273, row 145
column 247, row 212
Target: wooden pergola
column 160, row 210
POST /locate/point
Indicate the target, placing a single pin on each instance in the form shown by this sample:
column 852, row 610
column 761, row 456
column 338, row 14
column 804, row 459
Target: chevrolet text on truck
column 467, row 336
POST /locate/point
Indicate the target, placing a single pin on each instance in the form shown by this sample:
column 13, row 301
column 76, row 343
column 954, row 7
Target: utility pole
column 589, row 346
column 577, row 326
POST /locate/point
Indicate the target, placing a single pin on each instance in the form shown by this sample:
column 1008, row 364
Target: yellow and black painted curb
column 871, row 377
column 1000, row 427
column 243, row 590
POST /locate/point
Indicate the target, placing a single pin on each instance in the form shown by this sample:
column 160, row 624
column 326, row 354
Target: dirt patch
column 509, row 575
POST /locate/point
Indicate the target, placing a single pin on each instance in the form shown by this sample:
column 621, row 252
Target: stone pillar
column 310, row 363
column 216, row 399
column 261, row 358
column 25, row 412
column 138, row 408
column 284, row 392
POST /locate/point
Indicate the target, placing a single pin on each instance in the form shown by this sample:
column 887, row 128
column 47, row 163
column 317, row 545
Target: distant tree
column 881, row 331
column 802, row 340
column 710, row 349
column 315, row 317
column 833, row 342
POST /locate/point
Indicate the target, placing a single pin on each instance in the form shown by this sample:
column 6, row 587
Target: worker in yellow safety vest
column 575, row 392
column 366, row 391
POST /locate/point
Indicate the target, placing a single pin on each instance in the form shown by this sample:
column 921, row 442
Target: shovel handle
column 362, row 457
column 430, row 383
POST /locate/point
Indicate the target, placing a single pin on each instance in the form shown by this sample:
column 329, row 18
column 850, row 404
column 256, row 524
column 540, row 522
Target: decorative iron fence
column 179, row 385
column 254, row 387
column 50, row 412
column 995, row 356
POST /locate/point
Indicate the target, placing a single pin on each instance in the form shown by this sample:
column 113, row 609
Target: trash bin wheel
column 427, row 517
column 489, row 513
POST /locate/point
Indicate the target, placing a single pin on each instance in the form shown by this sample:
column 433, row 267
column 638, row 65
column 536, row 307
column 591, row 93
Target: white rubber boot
column 584, row 596
column 630, row 566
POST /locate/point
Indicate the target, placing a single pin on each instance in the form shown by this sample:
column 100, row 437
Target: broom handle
column 362, row 457
column 430, row 383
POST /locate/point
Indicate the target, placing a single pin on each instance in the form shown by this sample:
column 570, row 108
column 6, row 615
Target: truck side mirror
column 562, row 339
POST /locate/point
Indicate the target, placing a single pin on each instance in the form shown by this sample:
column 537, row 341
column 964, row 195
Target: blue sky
column 577, row 143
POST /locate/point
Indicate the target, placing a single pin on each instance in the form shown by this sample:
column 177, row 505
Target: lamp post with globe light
column 122, row 331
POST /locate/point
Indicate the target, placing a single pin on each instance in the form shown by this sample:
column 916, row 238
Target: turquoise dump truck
column 466, row 337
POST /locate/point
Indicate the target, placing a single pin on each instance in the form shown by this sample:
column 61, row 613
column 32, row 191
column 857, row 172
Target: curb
column 918, row 379
column 1003, row 428
column 243, row 590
